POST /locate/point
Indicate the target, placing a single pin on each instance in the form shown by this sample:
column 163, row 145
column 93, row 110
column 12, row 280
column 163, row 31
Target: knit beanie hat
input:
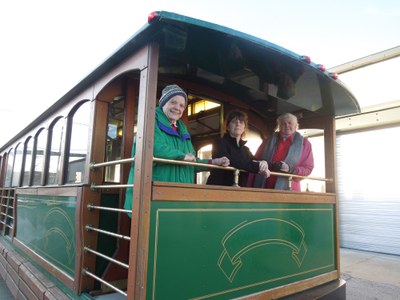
column 169, row 92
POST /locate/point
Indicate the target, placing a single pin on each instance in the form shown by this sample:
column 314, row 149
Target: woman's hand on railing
column 190, row 157
column 266, row 173
column 285, row 167
column 221, row 161
column 263, row 166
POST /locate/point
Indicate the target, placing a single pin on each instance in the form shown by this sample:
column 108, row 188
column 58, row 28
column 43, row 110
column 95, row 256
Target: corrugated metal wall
column 369, row 190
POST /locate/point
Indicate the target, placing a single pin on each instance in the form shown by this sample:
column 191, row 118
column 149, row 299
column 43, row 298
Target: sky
column 48, row 46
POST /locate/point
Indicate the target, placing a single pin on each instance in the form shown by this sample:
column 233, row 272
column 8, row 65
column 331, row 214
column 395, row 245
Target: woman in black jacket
column 233, row 147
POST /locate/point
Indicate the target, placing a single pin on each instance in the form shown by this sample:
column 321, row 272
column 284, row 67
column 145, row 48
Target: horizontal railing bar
column 86, row 272
column 196, row 164
column 120, row 236
column 188, row 163
column 110, row 186
column 7, row 214
column 5, row 224
column 106, row 257
column 91, row 206
column 301, row 177
column 93, row 165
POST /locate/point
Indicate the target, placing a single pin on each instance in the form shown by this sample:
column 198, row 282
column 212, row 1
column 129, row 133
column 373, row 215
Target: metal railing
column 236, row 171
column 92, row 207
column 94, row 166
column 291, row 176
column 88, row 273
column 7, row 210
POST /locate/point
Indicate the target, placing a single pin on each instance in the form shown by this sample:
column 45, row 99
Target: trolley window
column 55, row 152
column 10, row 161
column 28, row 161
column 79, row 144
column 39, row 157
column 19, row 151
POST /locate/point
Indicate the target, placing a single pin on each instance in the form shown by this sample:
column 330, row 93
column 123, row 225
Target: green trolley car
column 64, row 233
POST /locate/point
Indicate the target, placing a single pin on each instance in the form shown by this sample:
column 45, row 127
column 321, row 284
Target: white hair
column 285, row 116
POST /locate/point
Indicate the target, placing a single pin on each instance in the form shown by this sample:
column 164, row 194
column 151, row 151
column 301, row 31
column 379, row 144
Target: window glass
column 203, row 153
column 57, row 133
column 204, row 105
column 204, row 117
column 17, row 165
column 39, row 157
column 3, row 168
column 79, row 144
column 254, row 140
column 114, row 139
column 10, row 161
column 28, row 161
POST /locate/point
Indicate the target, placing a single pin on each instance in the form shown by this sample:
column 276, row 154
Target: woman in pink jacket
column 286, row 151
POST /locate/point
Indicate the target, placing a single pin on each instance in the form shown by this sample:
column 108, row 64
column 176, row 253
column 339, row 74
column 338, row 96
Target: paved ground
column 369, row 276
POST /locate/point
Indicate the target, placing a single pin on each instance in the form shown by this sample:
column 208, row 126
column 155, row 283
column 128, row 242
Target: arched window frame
column 1, row 170
column 49, row 148
column 17, row 165
column 9, row 168
column 27, row 167
column 41, row 130
column 68, row 139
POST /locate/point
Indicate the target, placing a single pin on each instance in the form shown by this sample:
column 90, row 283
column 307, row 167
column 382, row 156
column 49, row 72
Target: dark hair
column 237, row 114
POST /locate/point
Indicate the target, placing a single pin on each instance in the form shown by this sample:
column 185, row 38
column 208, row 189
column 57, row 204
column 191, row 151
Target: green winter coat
column 170, row 145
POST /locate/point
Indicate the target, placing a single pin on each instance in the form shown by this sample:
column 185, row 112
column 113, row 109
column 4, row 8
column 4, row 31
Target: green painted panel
column 203, row 250
column 46, row 224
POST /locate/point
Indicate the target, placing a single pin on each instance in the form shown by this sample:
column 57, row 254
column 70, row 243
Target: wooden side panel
column 229, row 243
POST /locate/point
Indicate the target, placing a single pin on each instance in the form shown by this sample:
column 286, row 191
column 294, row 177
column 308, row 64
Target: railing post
column 236, row 174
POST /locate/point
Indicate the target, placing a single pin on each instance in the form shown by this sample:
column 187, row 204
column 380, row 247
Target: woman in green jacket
column 171, row 141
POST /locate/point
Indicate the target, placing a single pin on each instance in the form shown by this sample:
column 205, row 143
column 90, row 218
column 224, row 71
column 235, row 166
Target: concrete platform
column 368, row 275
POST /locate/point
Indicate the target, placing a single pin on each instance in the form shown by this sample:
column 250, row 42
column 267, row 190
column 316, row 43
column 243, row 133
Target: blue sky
column 49, row 46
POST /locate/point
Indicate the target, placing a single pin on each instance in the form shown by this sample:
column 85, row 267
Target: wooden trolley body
column 62, row 206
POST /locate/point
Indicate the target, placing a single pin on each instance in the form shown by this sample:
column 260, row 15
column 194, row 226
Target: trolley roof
column 268, row 78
